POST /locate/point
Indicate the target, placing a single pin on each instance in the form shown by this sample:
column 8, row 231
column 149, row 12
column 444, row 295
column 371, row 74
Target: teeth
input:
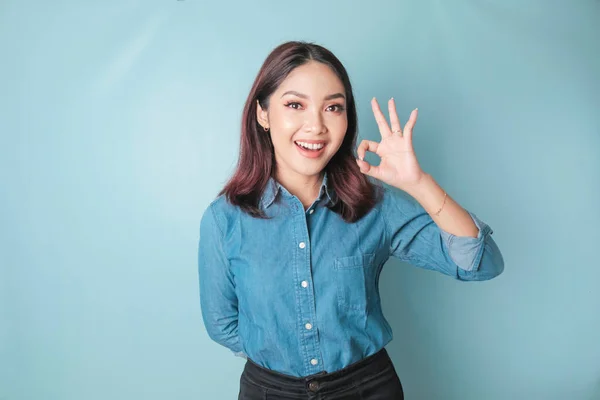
column 311, row 146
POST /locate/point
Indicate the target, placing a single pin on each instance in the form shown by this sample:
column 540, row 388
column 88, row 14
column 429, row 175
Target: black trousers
column 373, row 378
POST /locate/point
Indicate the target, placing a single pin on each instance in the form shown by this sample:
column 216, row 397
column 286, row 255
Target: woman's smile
column 311, row 149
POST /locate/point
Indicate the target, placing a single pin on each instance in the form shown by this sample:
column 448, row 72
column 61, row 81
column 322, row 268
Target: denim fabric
column 298, row 293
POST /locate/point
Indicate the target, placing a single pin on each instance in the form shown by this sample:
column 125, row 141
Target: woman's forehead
column 312, row 79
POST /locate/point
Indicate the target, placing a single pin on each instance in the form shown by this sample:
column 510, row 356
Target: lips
column 308, row 152
column 318, row 145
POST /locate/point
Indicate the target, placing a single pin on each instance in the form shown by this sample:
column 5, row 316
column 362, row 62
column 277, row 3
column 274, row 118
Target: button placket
column 311, row 339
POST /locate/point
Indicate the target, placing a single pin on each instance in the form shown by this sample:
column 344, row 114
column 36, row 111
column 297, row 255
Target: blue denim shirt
column 299, row 293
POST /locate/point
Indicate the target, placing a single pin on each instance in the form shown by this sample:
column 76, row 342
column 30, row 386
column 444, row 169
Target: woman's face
column 308, row 109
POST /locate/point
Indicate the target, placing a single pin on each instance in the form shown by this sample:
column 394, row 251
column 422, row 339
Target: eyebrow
column 329, row 97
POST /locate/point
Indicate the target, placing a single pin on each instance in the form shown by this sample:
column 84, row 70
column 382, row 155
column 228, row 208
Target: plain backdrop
column 119, row 123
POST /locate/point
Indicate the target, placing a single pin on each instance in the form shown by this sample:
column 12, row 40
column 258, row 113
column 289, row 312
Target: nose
column 314, row 123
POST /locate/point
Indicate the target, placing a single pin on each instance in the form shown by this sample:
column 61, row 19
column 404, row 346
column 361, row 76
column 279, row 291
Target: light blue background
column 119, row 122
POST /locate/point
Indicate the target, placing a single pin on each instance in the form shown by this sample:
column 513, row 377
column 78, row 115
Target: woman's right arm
column 218, row 300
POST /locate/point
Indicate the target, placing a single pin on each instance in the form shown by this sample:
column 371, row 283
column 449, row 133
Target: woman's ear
column 262, row 116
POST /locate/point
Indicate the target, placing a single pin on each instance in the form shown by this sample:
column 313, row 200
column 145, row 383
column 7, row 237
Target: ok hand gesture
column 399, row 166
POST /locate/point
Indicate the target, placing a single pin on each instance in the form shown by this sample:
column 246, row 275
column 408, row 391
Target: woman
column 291, row 250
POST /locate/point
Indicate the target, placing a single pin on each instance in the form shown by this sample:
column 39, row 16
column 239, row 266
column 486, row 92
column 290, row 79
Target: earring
column 266, row 129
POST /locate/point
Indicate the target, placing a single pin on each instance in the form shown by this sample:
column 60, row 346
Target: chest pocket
column 355, row 280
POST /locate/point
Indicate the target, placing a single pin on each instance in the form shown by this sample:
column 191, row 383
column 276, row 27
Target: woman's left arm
column 415, row 237
column 460, row 244
column 466, row 237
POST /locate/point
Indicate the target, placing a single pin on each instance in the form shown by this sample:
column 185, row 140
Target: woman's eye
column 292, row 104
column 339, row 107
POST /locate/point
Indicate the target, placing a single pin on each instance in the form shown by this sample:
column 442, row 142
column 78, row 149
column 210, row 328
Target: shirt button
column 302, row 245
column 308, row 325
column 311, row 211
column 314, row 361
column 304, row 284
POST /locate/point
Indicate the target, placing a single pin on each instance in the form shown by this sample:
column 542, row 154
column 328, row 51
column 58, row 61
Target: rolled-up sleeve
column 218, row 299
column 415, row 238
column 477, row 258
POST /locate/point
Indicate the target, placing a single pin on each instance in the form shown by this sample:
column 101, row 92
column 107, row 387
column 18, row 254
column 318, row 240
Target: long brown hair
column 355, row 192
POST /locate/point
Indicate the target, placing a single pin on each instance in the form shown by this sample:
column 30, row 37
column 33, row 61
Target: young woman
column 291, row 250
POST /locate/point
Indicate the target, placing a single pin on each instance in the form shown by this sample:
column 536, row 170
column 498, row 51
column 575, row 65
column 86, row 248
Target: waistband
column 322, row 382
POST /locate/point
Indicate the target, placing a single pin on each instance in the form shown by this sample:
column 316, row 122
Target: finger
column 384, row 129
column 364, row 146
column 368, row 169
column 411, row 123
column 395, row 121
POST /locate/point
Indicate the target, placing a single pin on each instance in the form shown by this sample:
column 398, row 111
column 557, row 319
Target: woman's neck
column 306, row 188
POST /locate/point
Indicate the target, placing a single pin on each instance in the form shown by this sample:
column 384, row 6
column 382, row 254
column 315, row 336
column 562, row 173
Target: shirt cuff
column 466, row 251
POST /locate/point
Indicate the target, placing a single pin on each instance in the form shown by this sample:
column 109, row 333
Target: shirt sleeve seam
column 402, row 256
column 221, row 238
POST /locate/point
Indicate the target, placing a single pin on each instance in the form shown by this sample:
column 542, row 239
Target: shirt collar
column 273, row 187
